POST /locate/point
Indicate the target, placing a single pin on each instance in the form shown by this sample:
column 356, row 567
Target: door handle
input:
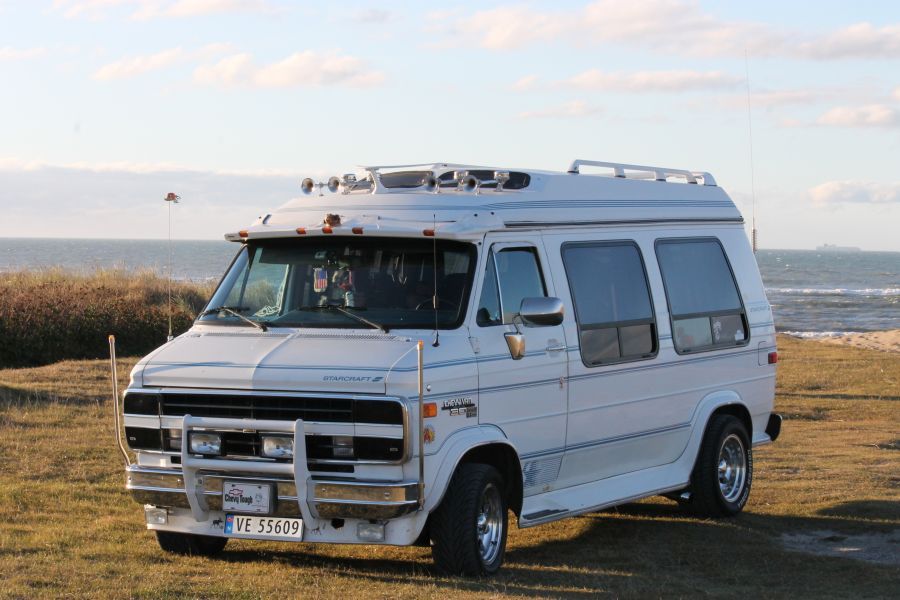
column 555, row 348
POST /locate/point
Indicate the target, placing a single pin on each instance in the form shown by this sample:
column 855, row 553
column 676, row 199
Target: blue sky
column 109, row 104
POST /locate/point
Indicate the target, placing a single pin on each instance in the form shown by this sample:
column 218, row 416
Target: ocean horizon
column 814, row 293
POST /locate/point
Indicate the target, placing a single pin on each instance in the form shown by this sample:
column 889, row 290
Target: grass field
column 69, row 529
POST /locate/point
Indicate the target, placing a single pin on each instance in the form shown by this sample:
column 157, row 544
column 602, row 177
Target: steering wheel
column 442, row 303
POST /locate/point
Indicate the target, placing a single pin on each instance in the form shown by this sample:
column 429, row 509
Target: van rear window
column 704, row 301
column 612, row 301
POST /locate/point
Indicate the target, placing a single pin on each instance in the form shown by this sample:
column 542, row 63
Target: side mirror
column 541, row 312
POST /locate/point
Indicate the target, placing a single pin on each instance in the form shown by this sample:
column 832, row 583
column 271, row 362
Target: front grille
column 318, row 447
column 282, row 408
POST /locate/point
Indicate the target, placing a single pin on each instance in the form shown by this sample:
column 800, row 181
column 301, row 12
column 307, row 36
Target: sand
column 887, row 341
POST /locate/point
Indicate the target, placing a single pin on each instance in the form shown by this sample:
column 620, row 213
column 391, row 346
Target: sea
column 813, row 293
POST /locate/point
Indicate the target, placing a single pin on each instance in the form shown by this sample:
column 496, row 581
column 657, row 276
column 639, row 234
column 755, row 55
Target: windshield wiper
column 233, row 310
column 346, row 312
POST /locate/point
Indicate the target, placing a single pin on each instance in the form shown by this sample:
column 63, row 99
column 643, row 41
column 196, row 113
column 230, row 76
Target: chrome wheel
column 489, row 524
column 732, row 468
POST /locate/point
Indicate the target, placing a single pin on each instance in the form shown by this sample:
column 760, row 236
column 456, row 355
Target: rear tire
column 468, row 529
column 723, row 474
column 189, row 544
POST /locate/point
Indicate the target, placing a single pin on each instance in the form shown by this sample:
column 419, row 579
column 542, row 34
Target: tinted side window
column 512, row 275
column 612, row 301
column 704, row 301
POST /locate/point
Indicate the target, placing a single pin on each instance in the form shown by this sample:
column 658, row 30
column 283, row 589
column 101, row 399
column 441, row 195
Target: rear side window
column 704, row 301
column 612, row 301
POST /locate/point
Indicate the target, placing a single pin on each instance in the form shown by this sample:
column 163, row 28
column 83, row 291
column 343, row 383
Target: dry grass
column 52, row 315
column 69, row 529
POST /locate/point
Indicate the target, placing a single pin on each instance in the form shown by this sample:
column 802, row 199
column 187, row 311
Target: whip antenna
column 171, row 198
column 752, row 173
column 434, row 298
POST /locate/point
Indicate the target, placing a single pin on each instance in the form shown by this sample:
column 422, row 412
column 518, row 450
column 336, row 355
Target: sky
column 107, row 105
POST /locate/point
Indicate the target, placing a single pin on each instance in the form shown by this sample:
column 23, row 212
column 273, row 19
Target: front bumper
column 198, row 484
column 326, row 499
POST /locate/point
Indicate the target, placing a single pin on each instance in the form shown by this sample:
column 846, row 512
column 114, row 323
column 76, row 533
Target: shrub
column 52, row 315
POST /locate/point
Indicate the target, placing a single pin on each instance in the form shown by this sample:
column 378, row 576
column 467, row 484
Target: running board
column 597, row 495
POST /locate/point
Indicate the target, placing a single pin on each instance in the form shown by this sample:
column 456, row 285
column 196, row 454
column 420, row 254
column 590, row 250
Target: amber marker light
column 430, row 410
column 301, row 230
column 428, row 232
column 358, row 230
column 327, row 229
column 243, row 233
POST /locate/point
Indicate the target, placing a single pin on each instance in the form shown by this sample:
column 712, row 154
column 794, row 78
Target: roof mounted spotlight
column 333, row 184
column 432, row 184
column 466, row 182
column 307, row 185
column 501, row 177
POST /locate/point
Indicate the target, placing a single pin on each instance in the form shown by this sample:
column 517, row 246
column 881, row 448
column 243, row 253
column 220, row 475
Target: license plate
column 244, row 497
column 275, row 528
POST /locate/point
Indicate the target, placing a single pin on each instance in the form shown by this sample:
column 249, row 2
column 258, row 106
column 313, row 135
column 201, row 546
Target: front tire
column 190, row 544
column 723, row 474
column 468, row 529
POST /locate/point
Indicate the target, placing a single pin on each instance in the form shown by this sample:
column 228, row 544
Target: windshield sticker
column 463, row 405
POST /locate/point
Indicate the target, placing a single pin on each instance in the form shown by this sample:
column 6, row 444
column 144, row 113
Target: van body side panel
column 628, row 416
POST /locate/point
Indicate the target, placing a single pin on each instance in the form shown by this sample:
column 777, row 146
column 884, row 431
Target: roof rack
column 644, row 172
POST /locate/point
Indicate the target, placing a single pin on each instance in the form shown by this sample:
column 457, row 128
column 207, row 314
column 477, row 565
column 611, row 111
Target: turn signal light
column 773, row 358
column 429, row 409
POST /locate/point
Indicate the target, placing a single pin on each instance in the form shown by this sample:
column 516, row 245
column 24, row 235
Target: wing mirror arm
column 515, row 341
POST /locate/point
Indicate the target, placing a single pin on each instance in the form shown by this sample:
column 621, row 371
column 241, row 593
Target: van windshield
column 389, row 282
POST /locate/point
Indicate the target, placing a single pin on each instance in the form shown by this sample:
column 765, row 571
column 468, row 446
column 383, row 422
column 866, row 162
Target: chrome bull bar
column 191, row 465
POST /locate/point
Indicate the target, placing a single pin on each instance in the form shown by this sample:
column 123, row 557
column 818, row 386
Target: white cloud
column 525, row 83
column 8, row 53
column 137, row 65
column 653, row 81
column 196, row 8
column 872, row 115
column 860, row 40
column 573, row 109
column 154, row 9
column 372, row 16
column 855, row 192
column 297, row 70
column 897, row 94
column 669, row 26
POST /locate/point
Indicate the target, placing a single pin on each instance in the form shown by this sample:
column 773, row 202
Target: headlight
column 277, row 446
column 202, row 442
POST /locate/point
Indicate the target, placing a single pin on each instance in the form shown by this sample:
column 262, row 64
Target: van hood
column 253, row 360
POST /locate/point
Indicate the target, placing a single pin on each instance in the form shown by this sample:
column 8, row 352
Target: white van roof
column 463, row 201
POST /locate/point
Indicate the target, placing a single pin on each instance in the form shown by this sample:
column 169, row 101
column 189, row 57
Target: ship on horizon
column 835, row 248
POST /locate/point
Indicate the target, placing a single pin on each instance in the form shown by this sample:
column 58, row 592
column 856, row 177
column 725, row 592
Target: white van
column 448, row 343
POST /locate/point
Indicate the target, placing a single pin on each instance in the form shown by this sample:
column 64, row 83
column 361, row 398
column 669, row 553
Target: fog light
column 342, row 446
column 203, row 442
column 155, row 516
column 370, row 532
column 277, row 446
column 173, row 438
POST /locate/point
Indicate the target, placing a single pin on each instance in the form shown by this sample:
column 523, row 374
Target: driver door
column 526, row 398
